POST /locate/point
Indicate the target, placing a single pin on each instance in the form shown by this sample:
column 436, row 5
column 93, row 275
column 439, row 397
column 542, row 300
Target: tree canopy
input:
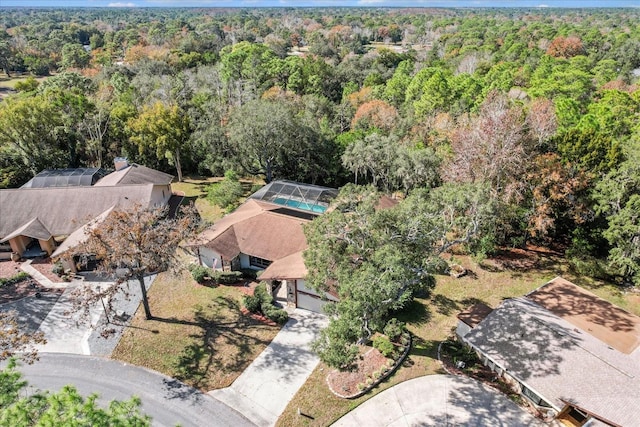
column 539, row 104
column 65, row 407
column 376, row 259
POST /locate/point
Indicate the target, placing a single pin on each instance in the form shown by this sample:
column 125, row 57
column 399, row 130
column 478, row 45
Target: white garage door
column 310, row 303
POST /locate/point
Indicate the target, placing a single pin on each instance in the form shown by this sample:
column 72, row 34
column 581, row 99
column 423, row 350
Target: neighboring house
column 57, row 205
column 266, row 233
column 572, row 354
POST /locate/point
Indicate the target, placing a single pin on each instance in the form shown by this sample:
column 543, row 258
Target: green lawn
column 200, row 335
column 432, row 319
column 10, row 83
column 195, row 189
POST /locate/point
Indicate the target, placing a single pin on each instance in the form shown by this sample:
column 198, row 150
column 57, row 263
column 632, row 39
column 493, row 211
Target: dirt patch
column 26, row 288
column 528, row 258
column 346, row 382
column 9, row 268
column 45, row 266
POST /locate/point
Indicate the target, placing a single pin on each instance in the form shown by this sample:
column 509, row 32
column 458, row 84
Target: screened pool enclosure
column 294, row 195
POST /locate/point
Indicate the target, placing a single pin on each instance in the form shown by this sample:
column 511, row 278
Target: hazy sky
column 319, row 3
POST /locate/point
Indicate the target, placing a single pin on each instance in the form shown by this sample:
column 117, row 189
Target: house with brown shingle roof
column 573, row 355
column 266, row 233
column 36, row 218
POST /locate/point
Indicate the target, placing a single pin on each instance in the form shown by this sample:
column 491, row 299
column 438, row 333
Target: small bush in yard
column 199, row 273
column 261, row 301
column 278, row 315
column 384, row 345
column 226, row 193
column 261, row 292
column 57, row 269
column 393, row 329
column 227, row 277
column 250, row 273
column 251, row 303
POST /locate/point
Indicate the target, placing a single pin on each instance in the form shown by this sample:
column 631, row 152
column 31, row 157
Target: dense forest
column 535, row 110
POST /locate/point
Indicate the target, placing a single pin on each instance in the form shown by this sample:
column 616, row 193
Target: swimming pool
column 310, row 207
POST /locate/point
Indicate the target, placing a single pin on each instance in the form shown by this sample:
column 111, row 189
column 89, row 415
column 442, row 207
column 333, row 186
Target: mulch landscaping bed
column 45, row 266
column 346, row 382
column 9, row 268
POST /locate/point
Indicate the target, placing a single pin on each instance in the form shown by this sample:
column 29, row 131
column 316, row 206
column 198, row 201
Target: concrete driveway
column 439, row 400
column 166, row 400
column 263, row 390
column 66, row 331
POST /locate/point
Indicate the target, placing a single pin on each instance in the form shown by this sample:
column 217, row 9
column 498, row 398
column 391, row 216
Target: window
column 254, row 261
column 534, row 397
column 577, row 415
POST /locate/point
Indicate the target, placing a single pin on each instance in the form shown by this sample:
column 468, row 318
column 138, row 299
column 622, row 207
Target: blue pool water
column 300, row 205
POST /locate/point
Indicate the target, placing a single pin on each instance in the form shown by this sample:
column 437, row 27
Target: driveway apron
column 263, row 390
column 438, row 400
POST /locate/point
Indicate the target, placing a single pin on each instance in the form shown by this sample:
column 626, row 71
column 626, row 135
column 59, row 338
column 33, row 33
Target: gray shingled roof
column 32, row 228
column 135, row 174
column 561, row 362
column 63, row 210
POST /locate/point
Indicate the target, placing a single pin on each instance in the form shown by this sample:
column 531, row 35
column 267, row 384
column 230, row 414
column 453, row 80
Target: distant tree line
column 537, row 107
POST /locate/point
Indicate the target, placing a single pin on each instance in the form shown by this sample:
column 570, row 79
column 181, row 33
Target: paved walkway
column 438, row 400
column 267, row 386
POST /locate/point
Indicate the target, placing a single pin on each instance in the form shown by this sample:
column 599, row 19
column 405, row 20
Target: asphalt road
column 166, row 400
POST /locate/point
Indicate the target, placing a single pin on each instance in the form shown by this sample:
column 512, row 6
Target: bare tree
column 491, row 147
column 134, row 243
column 541, row 120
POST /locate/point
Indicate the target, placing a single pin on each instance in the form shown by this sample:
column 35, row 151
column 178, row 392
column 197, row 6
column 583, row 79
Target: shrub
column 17, row 278
column 251, row 303
column 261, row 292
column 385, row 346
column 28, row 85
column 393, row 329
column 250, row 273
column 58, row 269
column 278, row 315
column 199, row 273
column 226, row 193
column 227, row 277
column 404, row 339
column 460, row 352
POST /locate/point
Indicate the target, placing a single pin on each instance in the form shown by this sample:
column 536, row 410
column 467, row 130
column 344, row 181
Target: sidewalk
column 265, row 388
